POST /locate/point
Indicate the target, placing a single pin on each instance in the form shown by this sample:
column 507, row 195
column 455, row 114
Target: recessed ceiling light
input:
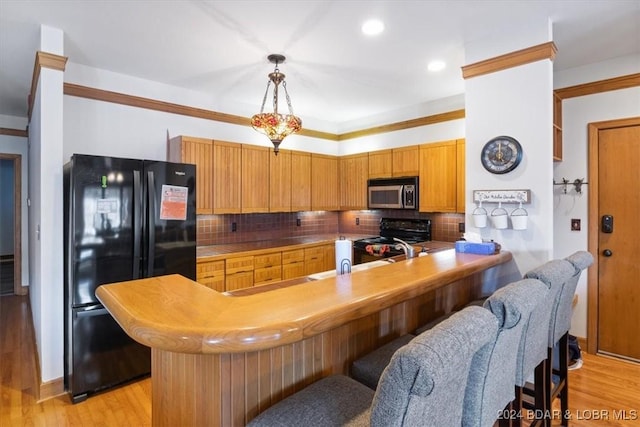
column 372, row 27
column 436, row 65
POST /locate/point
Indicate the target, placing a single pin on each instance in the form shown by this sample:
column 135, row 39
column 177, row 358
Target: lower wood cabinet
column 211, row 274
column 267, row 268
column 292, row 264
column 239, row 273
column 314, row 260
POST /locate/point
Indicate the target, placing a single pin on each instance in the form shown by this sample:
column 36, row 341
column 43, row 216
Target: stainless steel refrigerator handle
column 151, row 226
column 137, row 225
column 91, row 313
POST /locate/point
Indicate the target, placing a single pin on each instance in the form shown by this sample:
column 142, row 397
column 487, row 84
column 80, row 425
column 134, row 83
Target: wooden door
column 280, row 182
column 227, row 179
column 300, row 181
column 255, row 179
column 406, row 161
column 197, row 151
column 618, row 271
column 354, row 171
column 324, row 183
column 438, row 182
column 381, row 164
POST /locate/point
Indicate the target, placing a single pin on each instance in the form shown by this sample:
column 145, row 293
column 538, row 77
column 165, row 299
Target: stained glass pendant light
column 275, row 125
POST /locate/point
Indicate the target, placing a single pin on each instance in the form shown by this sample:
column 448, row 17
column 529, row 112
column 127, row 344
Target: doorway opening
column 10, row 224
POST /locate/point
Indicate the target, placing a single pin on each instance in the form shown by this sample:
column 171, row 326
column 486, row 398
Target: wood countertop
column 175, row 314
column 215, row 252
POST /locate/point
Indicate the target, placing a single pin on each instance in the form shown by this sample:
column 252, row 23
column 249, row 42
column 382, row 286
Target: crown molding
column 622, row 82
column 44, row 60
column 520, row 57
column 14, row 132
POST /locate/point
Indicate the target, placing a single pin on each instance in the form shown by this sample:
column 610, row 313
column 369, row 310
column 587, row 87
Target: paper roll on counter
column 344, row 254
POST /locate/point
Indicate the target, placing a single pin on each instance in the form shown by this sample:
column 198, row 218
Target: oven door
column 386, row 197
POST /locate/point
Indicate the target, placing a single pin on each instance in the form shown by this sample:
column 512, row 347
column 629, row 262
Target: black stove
column 411, row 231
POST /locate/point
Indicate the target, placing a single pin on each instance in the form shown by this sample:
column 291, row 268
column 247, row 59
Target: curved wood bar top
column 175, row 314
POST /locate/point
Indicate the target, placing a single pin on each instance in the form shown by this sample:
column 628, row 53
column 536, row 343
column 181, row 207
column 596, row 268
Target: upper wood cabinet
column 197, row 151
column 324, row 183
column 354, row 172
column 380, row 164
column 255, row 179
column 438, row 177
column 300, row 181
column 460, row 176
column 227, row 177
column 406, row 161
column 280, row 181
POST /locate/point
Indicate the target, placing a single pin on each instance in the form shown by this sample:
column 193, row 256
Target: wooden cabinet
column 211, row 274
column 557, row 127
column 300, row 181
column 255, row 179
column 239, row 273
column 381, row 164
column 314, row 260
column 197, row 151
column 354, row 172
column 438, row 175
column 324, row 183
column 406, row 161
column 292, row 264
column 329, row 253
column 227, row 178
column 460, row 176
column 267, row 268
column 280, row 179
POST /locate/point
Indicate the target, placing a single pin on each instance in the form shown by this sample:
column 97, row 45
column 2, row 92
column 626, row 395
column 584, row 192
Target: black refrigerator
column 124, row 219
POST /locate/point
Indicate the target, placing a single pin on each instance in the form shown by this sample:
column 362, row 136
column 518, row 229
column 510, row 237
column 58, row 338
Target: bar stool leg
column 564, row 379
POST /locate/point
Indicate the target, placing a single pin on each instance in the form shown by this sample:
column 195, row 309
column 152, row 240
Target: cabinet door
column 406, row 161
column 239, row 273
column 438, row 186
column 197, row 151
column 211, row 274
column 292, row 264
column 460, row 176
column 324, row 183
column 300, row 181
column 380, row 164
column 329, row 253
column 314, row 260
column 255, row 179
column 227, row 178
column 280, row 179
column 354, row 172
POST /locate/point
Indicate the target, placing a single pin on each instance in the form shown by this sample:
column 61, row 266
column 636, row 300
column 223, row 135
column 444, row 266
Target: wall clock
column 500, row 155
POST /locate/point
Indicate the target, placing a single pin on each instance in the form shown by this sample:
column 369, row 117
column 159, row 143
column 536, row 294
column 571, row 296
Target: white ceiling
column 334, row 73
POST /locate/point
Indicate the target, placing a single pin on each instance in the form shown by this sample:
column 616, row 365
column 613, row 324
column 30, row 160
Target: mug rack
column 502, row 196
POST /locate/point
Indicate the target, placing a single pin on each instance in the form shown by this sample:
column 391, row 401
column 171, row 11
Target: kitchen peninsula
column 220, row 359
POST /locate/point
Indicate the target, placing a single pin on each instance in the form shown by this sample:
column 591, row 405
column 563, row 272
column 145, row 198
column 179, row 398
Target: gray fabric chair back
column 557, row 273
column 580, row 261
column 492, row 376
column 424, row 384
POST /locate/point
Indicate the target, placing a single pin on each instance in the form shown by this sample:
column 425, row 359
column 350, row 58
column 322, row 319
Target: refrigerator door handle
column 151, row 226
column 137, row 225
column 91, row 313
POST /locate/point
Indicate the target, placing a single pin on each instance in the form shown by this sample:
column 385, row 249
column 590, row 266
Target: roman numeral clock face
column 501, row 155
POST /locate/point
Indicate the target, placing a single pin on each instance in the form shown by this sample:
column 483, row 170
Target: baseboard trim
column 51, row 389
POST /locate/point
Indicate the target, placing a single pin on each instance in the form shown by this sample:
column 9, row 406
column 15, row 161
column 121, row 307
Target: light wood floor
column 602, row 388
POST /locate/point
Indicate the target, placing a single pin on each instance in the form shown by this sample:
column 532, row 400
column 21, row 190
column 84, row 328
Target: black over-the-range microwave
column 393, row 193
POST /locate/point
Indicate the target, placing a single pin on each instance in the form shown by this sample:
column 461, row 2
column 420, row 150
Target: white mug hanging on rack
column 519, row 218
column 479, row 216
column 499, row 217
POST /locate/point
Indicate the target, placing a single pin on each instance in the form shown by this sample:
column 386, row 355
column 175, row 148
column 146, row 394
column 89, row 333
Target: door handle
column 607, row 252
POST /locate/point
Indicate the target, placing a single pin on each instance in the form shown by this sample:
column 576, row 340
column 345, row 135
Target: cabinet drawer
column 239, row 280
column 210, row 269
column 267, row 274
column 312, row 254
column 293, row 257
column 293, row 270
column 215, row 283
column 267, row 260
column 239, row 265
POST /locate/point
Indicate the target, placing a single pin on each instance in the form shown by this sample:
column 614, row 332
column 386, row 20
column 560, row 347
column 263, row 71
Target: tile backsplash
column 217, row 229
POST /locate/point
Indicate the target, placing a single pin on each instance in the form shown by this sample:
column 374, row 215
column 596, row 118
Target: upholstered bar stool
column 490, row 387
column 424, row 384
column 559, row 330
column 534, row 348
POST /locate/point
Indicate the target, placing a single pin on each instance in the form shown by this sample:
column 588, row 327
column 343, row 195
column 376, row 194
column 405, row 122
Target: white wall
column 19, row 145
column 45, row 219
column 516, row 102
column 577, row 113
